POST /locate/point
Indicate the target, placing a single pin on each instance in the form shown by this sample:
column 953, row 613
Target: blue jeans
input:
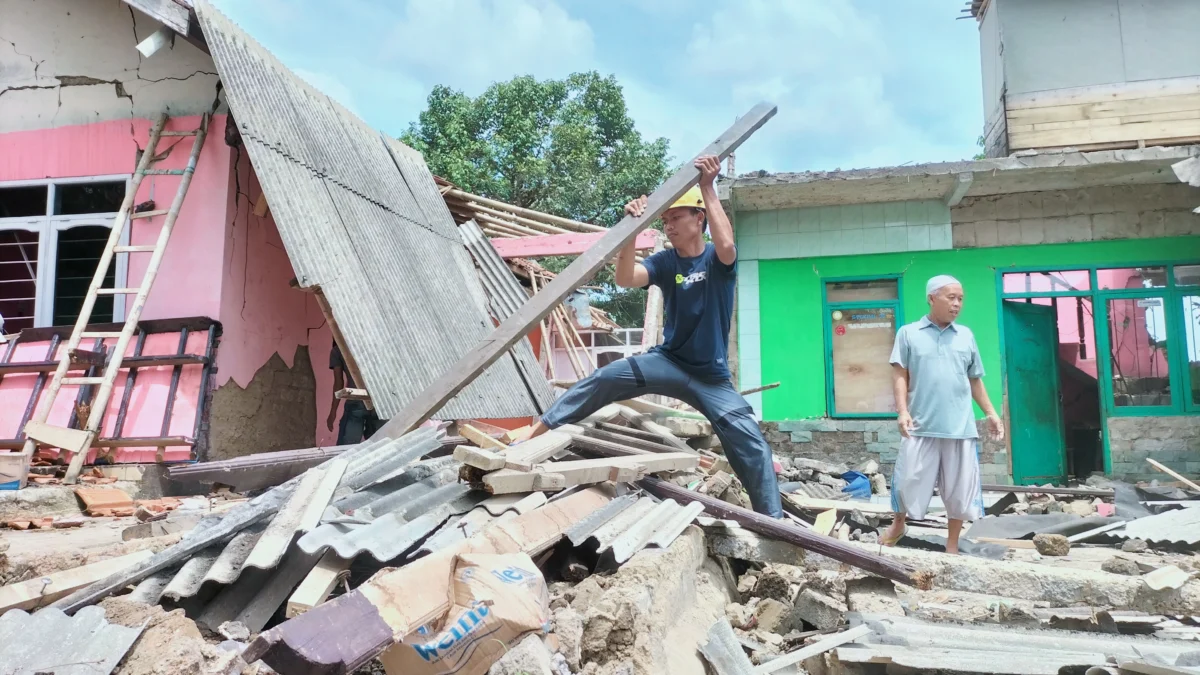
column 732, row 418
column 358, row 424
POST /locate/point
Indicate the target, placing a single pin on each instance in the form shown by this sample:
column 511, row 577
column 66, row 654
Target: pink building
column 76, row 105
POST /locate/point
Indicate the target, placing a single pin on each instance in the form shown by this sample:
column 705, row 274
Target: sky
column 858, row 83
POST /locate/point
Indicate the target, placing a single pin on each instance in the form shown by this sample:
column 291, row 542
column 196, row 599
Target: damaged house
column 299, row 227
column 1075, row 241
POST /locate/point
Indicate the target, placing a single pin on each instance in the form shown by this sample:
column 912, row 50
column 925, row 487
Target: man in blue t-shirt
column 697, row 281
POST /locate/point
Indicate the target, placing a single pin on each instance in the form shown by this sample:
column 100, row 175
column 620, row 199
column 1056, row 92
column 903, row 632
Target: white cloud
column 469, row 44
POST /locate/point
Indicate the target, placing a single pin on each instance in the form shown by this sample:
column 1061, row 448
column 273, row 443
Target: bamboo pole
column 573, row 225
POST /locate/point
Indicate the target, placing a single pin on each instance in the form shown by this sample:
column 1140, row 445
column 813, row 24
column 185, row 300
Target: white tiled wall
column 843, row 230
column 749, row 354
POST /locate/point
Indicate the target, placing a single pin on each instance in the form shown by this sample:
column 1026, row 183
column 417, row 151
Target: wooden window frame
column 827, row 309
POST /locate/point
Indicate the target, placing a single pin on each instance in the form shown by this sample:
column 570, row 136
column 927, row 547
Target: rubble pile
column 634, row 541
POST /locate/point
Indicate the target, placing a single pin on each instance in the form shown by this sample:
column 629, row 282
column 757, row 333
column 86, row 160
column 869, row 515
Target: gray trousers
column 732, row 418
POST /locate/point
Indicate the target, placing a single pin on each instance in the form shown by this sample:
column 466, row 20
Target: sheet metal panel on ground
column 362, row 219
column 386, row 506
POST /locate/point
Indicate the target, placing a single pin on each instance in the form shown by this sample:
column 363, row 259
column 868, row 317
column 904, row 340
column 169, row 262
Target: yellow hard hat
column 690, row 199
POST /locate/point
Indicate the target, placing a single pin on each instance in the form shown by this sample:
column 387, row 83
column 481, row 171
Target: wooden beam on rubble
column 785, row 531
column 440, row 391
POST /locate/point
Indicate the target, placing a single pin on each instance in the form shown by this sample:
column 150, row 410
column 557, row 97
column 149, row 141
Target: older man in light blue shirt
column 936, row 373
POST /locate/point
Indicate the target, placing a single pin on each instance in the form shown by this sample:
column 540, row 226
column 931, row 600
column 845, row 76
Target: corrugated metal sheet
column 507, row 295
column 1181, row 526
column 264, row 544
column 635, row 523
column 388, row 536
column 361, row 218
column 816, row 491
column 49, row 641
column 492, row 510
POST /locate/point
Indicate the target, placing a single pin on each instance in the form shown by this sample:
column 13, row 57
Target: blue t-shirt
column 697, row 310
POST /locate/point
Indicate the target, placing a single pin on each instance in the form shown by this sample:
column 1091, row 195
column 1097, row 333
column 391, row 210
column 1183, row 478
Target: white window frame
column 47, row 228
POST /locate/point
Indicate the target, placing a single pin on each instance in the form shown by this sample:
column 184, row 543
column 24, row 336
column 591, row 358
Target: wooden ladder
column 80, row 441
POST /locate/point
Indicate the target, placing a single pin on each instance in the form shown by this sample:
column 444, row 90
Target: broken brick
column 96, row 500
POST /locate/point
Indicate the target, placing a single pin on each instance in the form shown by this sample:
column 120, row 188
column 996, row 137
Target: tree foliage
column 566, row 147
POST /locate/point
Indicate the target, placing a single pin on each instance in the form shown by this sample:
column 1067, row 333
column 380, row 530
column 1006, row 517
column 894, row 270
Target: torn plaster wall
column 261, row 315
column 67, row 62
column 277, row 411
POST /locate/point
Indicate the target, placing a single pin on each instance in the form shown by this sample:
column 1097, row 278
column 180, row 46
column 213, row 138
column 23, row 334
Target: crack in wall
column 36, row 64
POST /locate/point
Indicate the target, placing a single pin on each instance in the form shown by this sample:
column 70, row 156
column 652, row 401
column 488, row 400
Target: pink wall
column 184, row 284
column 261, row 313
column 222, row 262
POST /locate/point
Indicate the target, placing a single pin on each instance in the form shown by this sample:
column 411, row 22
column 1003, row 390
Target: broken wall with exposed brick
column 851, row 442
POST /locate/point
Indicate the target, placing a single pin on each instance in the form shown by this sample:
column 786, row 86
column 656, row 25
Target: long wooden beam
column 785, row 531
column 441, row 390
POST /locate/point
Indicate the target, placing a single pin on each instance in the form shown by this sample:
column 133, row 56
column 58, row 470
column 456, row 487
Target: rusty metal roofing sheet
column 1181, row 526
column 49, row 641
column 506, row 295
column 361, row 218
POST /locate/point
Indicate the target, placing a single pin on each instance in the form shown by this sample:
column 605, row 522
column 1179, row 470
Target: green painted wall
column 792, row 337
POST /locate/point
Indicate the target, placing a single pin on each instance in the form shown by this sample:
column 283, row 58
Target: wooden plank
column 646, row 424
column 352, row 394
column 572, row 243
column 56, row 437
column 1189, row 114
column 595, row 447
column 826, row 504
column 317, row 586
column 1105, row 109
column 479, row 438
column 510, row 436
column 1171, row 472
column 440, row 391
column 631, row 441
column 815, row 649
column 525, row 456
column 479, row 458
column 825, row 522
column 261, row 207
column 1124, row 91
column 1147, row 131
column 650, row 408
column 783, row 530
column 585, row 472
column 45, row 589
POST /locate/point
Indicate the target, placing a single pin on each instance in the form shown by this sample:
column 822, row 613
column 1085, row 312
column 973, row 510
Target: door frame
column 1176, row 336
column 1061, row 422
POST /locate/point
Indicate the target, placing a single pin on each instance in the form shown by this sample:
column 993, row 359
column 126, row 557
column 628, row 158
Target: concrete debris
column 1134, row 546
column 819, row 610
column 772, row 584
column 567, row 625
column 1051, row 544
column 686, row 427
column 529, row 657
column 739, row 615
column 773, row 616
column 1121, row 565
column 234, row 630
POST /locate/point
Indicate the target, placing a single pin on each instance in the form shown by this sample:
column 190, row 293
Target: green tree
column 982, row 154
column 566, row 147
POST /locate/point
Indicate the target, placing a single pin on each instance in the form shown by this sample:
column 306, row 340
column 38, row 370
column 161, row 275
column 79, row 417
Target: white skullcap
column 937, row 283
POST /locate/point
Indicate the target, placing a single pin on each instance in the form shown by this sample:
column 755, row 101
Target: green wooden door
column 1034, row 409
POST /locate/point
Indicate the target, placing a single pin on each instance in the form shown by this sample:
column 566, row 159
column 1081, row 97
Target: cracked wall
column 68, row 62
